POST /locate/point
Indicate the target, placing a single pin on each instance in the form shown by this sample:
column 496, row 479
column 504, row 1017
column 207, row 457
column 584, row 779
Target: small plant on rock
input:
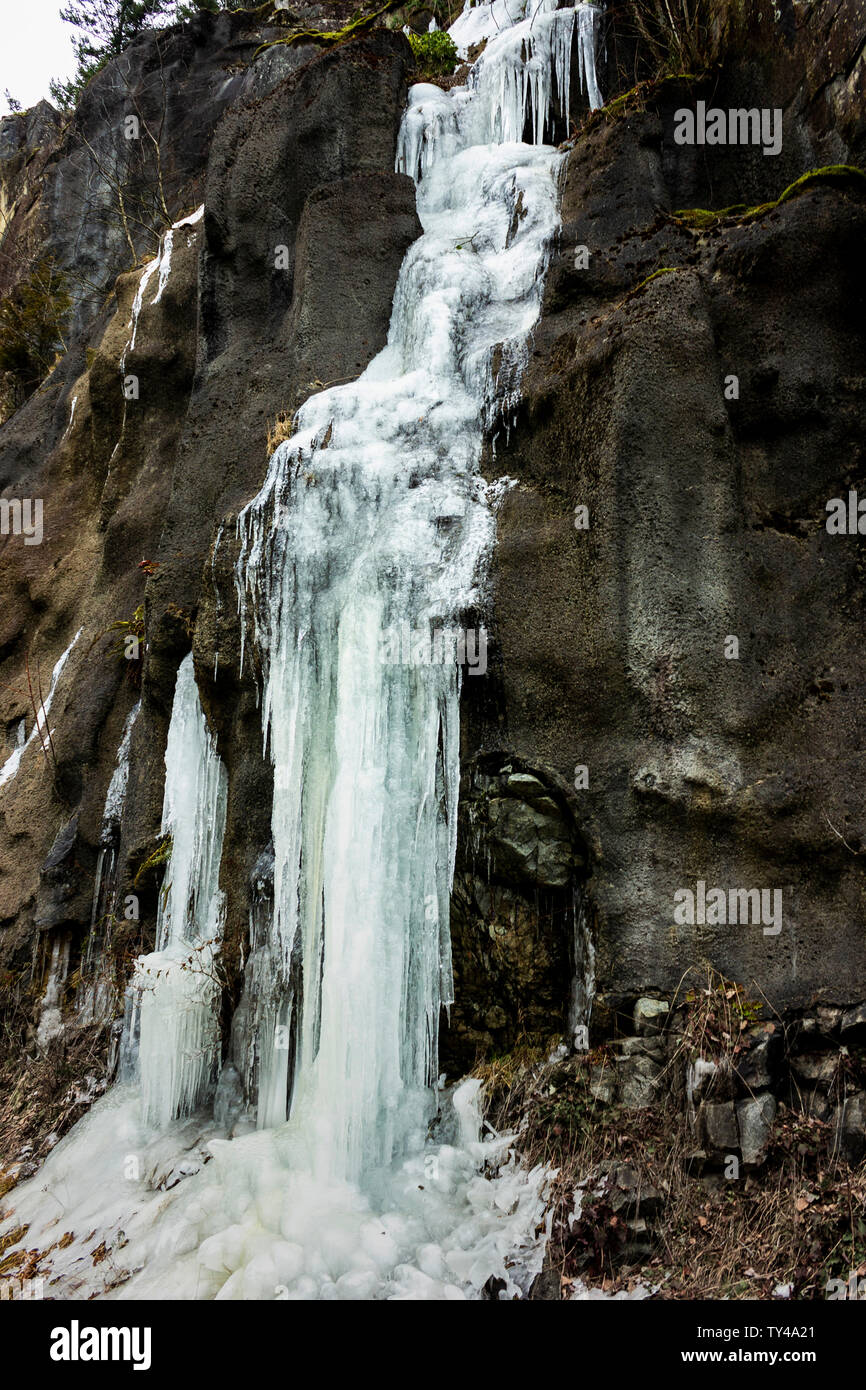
column 130, row 644
column 435, row 54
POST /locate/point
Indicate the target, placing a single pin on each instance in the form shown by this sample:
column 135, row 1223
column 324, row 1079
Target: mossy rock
column 360, row 24
column 846, row 176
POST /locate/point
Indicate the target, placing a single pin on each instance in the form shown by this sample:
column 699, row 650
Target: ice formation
column 50, row 1019
column 40, row 724
column 372, row 515
column 95, row 997
column 175, row 988
column 583, row 976
column 116, row 795
column 161, row 267
column 202, row 1217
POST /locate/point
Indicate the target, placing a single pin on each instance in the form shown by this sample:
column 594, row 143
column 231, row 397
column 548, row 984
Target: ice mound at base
column 252, row 1224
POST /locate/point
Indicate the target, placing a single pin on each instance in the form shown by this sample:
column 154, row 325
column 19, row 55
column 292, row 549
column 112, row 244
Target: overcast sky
column 34, row 47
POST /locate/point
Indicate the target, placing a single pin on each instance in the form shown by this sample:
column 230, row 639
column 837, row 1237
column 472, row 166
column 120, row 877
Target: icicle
column 177, row 984
column 96, row 996
column 40, row 725
column 162, row 264
column 51, row 1021
column 583, row 974
column 71, row 416
column 137, row 304
column 587, row 21
column 523, row 74
column 116, row 795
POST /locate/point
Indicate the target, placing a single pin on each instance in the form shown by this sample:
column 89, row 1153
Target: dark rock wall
column 61, row 176
column 707, row 520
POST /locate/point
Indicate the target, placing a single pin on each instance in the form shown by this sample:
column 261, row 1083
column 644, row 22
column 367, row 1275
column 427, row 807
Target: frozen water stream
column 40, row 728
column 373, row 515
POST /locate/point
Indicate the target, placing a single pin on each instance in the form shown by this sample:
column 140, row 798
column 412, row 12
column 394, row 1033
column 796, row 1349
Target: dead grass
column 798, row 1220
column 281, row 430
column 680, row 35
column 11, row 1238
column 37, row 1094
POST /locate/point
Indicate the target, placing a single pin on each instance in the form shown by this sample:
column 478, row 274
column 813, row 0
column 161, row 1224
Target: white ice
column 50, row 1019
column 161, row 265
column 188, row 1215
column 116, row 795
column 95, row 997
column 40, row 724
column 175, row 988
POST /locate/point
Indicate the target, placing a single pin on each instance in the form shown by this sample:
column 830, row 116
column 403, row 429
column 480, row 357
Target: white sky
column 34, row 47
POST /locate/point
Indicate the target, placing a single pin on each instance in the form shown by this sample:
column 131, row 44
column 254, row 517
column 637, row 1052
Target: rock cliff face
column 706, row 506
column 616, row 752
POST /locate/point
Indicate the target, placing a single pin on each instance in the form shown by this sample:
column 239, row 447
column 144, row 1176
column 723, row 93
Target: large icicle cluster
column 371, row 516
column 175, row 988
column 522, row 78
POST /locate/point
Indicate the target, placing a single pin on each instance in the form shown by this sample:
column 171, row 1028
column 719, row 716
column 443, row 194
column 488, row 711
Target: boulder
column 602, row 1084
column 644, row 1047
column 650, row 1016
column 815, row 1105
column 853, row 1024
column 637, row 1081
column 629, row 1197
column 717, row 1126
column 849, row 1120
column 531, row 841
column 816, row 1068
column 754, row 1122
column 757, row 1066
column 829, row 1018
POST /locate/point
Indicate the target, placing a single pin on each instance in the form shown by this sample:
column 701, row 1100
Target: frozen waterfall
column 175, row 989
column 373, row 516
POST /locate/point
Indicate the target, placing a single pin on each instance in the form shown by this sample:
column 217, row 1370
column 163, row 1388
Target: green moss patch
column 358, row 24
column 638, row 98
column 845, row 176
column 665, row 270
